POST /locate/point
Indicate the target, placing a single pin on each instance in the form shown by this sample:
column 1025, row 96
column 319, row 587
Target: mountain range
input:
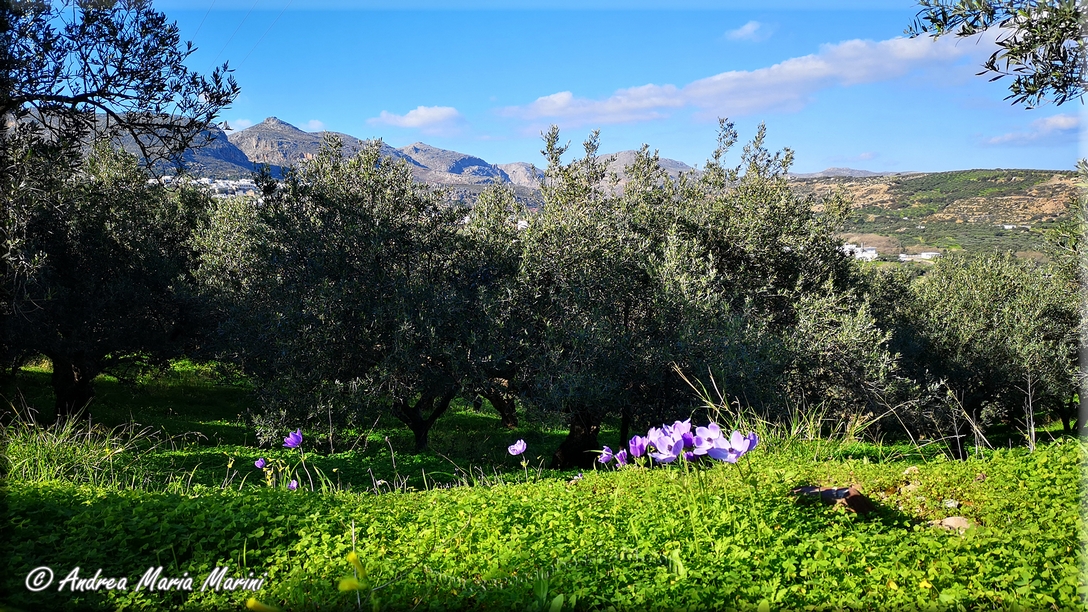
column 965, row 196
column 280, row 144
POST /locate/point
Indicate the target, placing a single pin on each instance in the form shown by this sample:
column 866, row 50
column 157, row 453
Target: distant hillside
column 968, row 209
column 443, row 167
column 623, row 159
column 218, row 158
column 279, row 143
column 523, row 174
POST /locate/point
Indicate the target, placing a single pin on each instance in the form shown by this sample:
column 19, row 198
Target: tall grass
column 76, row 450
column 807, row 430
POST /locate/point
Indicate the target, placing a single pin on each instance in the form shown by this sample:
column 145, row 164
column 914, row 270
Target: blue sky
column 835, row 81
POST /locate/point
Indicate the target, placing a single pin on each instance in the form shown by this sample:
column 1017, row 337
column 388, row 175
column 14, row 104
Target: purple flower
column 701, row 445
column 606, row 455
column 637, row 446
column 294, row 440
column 260, row 463
column 709, row 433
column 687, row 438
column 722, row 452
column 740, row 443
column 516, row 448
column 668, row 454
column 621, row 457
column 753, row 440
column 662, row 439
column 734, row 448
column 680, row 428
column 291, row 486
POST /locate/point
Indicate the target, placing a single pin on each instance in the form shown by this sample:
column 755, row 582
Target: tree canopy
column 107, row 68
column 77, row 73
column 1041, row 43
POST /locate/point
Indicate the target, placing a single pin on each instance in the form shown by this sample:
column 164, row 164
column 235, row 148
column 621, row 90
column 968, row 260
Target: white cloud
column 784, row 87
column 625, row 106
column 239, row 124
column 752, row 31
column 314, row 125
column 1047, row 128
column 428, row 119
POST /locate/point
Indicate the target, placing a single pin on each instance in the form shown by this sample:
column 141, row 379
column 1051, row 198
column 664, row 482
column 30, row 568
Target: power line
column 267, row 30
column 210, row 7
column 235, row 32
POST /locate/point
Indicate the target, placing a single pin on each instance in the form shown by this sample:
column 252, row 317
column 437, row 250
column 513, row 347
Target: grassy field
column 164, row 476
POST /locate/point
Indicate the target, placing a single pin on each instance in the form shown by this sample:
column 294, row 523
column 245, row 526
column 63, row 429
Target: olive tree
column 1001, row 332
column 112, row 290
column 697, row 274
column 109, row 68
column 341, row 285
column 75, row 72
column 497, row 344
column 1041, row 43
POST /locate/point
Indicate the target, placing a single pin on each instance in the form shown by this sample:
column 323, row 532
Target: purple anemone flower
column 606, row 455
column 753, row 440
column 637, row 446
column 710, row 432
column 701, row 445
column 621, row 457
column 662, row 439
column 668, row 454
column 722, row 452
column 733, row 448
column 291, row 486
column 516, row 448
column 739, row 443
column 294, row 440
column 680, row 428
column 260, row 463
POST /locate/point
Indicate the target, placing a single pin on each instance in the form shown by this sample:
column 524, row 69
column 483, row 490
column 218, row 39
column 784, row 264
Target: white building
column 862, row 252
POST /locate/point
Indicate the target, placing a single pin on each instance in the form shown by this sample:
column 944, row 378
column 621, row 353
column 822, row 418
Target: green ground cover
column 518, row 537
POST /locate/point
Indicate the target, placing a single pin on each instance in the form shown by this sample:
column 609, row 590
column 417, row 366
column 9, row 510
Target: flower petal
column 294, row 439
column 606, row 455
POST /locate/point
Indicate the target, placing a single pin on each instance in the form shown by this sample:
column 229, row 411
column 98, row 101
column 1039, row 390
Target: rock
column 911, row 470
column 850, row 497
column 953, row 522
column 951, row 503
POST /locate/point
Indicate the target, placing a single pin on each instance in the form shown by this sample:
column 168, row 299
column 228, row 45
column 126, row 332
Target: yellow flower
column 257, row 606
column 349, row 584
column 354, row 558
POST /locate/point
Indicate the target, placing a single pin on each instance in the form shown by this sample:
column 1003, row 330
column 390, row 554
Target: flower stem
column 308, row 477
